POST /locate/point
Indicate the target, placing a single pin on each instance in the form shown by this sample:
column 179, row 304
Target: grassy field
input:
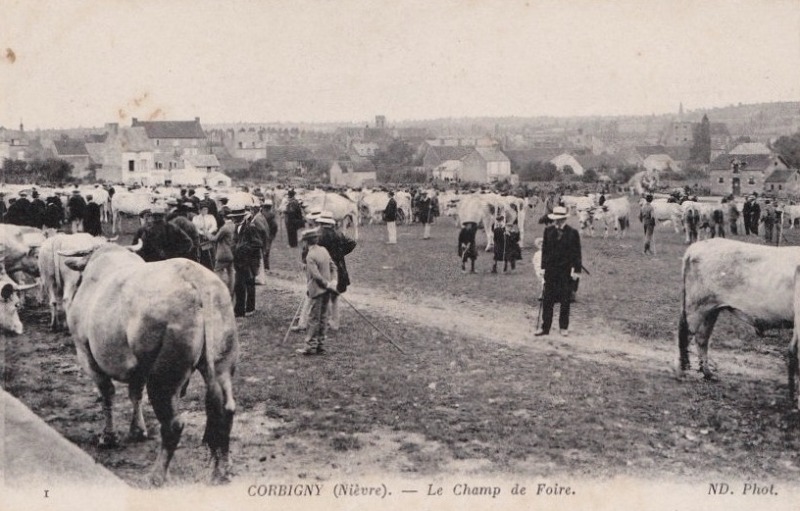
column 459, row 402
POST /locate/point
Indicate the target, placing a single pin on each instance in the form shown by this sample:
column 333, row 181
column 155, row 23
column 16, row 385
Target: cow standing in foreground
column 153, row 324
column 754, row 282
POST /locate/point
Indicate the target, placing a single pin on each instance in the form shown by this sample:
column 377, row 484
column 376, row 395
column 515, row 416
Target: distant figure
column 769, row 220
column 76, row 208
column 390, row 217
column 294, row 218
column 91, row 222
column 37, row 210
column 499, row 237
column 648, row 219
column 466, row 246
column 513, row 252
column 425, row 214
column 733, row 217
column 537, row 264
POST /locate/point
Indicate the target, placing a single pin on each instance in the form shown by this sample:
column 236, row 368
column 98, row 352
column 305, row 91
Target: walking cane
column 539, row 316
column 296, row 313
column 371, row 324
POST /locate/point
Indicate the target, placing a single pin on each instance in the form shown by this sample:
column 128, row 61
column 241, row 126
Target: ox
column 56, row 279
column 342, row 208
column 614, row 213
column 373, row 204
column 754, row 282
column 130, row 204
column 792, row 213
column 665, row 211
column 19, row 247
column 10, row 304
column 153, row 324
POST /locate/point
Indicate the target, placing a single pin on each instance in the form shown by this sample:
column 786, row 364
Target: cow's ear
column 76, row 263
column 7, row 291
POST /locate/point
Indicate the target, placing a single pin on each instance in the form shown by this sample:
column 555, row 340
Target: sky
column 89, row 62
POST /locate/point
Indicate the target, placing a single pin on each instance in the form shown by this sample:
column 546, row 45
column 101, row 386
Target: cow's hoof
column 157, row 478
column 136, row 435
column 108, row 441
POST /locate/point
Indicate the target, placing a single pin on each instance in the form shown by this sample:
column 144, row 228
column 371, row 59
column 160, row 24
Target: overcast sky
column 85, row 63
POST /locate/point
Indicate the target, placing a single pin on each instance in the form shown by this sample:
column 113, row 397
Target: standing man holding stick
column 561, row 262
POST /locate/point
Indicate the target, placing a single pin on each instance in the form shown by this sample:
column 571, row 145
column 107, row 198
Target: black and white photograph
column 390, row 255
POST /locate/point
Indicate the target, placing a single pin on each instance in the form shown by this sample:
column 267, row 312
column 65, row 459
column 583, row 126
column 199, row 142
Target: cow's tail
column 683, row 324
column 220, row 405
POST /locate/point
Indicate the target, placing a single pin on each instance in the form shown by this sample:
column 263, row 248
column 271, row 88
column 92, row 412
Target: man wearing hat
column 246, row 256
column 19, row 210
column 648, row 218
column 561, row 262
column 206, row 226
column 91, row 222
column 264, row 221
column 53, row 215
column 338, row 246
column 755, row 215
column 466, row 245
column 76, row 211
column 37, row 210
column 390, row 217
column 322, row 282
column 425, row 214
column 769, row 220
column 294, row 218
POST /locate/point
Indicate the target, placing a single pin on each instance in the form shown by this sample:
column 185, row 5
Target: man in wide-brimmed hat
column 390, row 217
column 322, row 282
column 561, row 262
column 294, row 218
column 247, row 246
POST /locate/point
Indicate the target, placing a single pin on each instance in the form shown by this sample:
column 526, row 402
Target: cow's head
column 10, row 304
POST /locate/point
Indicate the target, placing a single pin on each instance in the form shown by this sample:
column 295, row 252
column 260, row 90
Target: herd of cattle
column 187, row 324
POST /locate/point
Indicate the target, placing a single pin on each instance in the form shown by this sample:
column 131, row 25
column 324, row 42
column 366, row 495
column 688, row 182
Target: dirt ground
column 474, row 393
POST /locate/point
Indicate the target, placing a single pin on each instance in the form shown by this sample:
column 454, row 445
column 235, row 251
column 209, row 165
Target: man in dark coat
column 294, row 218
column 561, row 262
column 53, row 214
column 76, row 207
column 390, row 217
column 91, row 222
column 37, row 210
column 747, row 214
column 19, row 211
column 160, row 239
column 425, row 205
column 755, row 217
column 338, row 246
column 3, row 208
column 246, row 256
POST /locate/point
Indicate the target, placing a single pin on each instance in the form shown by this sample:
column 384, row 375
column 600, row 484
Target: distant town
column 734, row 150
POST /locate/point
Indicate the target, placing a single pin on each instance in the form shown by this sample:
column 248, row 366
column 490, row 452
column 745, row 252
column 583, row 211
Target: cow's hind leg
column 702, row 336
column 108, row 439
column 163, row 388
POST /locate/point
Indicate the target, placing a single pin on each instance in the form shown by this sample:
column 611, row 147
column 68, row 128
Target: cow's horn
column 75, row 253
column 112, row 240
column 135, row 248
column 25, row 287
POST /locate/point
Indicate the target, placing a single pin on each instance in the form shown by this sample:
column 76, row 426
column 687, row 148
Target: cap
column 307, row 234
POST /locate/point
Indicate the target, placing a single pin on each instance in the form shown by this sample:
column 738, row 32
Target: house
column 448, row 171
column 783, row 183
column 602, row 163
column 14, row 144
column 73, row 151
column 522, row 158
column 171, row 140
column 365, row 149
column 288, row 158
column 127, row 156
column 742, row 174
column 201, row 162
column 750, row 148
column 485, row 165
column 352, row 174
column 248, row 144
column 437, row 155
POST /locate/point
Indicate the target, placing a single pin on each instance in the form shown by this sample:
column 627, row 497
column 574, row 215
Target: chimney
column 196, row 119
column 112, row 127
column 134, row 122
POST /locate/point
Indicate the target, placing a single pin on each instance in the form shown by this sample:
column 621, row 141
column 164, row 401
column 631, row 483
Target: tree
column 398, row 152
column 590, row 176
column 789, row 149
column 538, row 171
column 700, row 151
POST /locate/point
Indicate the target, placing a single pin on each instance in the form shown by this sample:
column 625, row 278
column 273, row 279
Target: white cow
column 754, row 282
column 129, row 204
column 344, row 210
column 374, row 202
column 615, row 213
column 792, row 213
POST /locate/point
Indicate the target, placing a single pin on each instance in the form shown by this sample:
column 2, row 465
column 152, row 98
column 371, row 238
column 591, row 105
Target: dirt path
column 513, row 324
